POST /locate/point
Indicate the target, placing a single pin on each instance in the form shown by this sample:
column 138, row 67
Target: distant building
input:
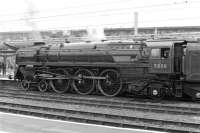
column 73, row 34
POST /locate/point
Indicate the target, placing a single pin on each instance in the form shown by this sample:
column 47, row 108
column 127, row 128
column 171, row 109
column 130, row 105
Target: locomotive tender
column 154, row 68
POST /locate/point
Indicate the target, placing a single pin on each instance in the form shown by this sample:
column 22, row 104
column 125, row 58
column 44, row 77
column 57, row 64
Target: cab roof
column 163, row 43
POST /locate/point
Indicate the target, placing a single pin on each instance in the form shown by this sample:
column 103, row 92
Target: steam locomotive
column 153, row 68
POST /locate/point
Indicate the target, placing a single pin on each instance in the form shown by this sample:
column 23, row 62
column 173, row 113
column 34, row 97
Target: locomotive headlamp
column 155, row 92
column 198, row 95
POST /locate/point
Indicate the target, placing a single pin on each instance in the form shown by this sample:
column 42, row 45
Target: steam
column 95, row 33
column 29, row 16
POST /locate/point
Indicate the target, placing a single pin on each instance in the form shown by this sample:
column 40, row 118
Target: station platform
column 14, row 123
column 7, row 81
column 5, row 78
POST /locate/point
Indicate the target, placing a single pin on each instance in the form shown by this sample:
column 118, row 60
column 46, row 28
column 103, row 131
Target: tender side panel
column 193, row 66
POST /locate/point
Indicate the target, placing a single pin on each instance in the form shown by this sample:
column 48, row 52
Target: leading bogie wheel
column 112, row 84
column 25, row 84
column 60, row 85
column 43, row 85
column 83, row 84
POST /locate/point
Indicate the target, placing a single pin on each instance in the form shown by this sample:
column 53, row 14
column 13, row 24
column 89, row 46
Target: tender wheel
column 112, row 85
column 83, row 85
column 60, row 85
column 43, row 85
column 25, row 85
column 156, row 91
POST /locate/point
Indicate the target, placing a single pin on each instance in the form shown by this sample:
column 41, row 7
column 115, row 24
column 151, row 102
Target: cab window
column 160, row 53
column 155, row 53
column 165, row 52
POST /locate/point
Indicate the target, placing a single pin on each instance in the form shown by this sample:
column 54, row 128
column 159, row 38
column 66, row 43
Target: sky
column 23, row 15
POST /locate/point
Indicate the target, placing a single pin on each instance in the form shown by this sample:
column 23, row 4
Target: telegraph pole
column 155, row 32
column 135, row 23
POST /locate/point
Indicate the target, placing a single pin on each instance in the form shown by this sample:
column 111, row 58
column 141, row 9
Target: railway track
column 101, row 103
column 98, row 117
